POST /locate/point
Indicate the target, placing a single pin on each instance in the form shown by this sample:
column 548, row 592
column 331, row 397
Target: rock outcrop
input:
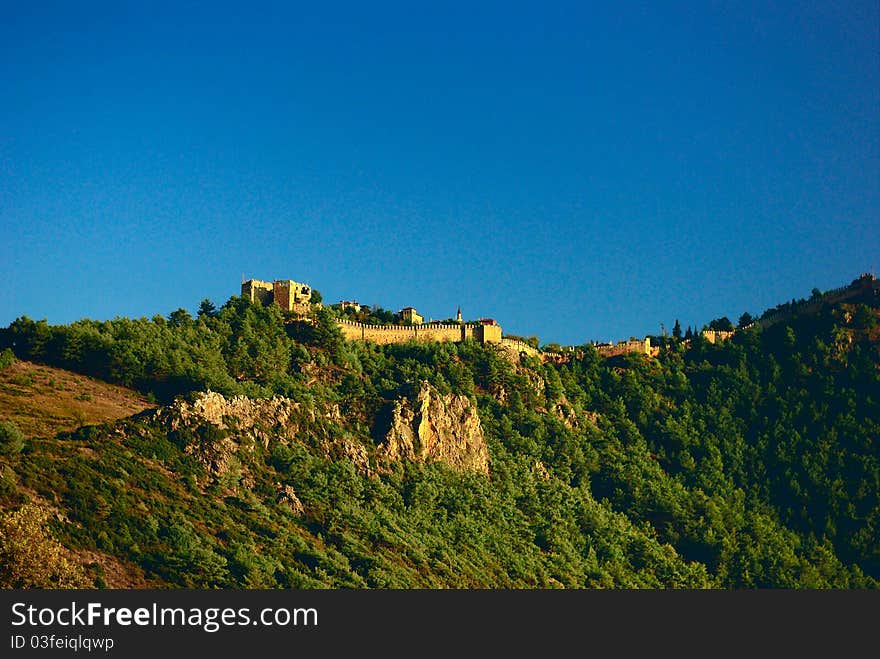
column 238, row 422
column 221, row 432
column 430, row 426
column 260, row 417
column 287, row 497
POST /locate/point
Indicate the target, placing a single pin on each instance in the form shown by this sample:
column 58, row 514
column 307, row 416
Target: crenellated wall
column 519, row 347
column 865, row 288
column 384, row 334
column 294, row 297
column 716, row 336
column 487, row 333
column 632, row 345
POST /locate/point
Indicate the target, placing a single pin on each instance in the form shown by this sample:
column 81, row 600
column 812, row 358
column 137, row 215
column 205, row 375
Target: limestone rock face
column 352, row 451
column 244, row 421
column 434, row 427
column 241, row 413
column 565, row 412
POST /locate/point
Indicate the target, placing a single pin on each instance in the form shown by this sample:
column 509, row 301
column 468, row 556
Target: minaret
column 458, row 316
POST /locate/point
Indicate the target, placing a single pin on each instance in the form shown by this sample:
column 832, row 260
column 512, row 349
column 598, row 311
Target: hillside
column 43, row 401
column 319, row 462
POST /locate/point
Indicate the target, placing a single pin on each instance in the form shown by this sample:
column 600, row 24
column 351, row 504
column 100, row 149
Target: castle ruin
column 411, row 316
column 291, row 296
column 294, row 297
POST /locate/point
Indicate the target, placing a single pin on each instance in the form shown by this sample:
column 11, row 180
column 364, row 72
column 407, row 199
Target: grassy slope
column 43, row 401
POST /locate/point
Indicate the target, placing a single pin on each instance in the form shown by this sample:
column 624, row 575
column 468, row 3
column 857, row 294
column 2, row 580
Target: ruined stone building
column 351, row 304
column 291, row 296
column 294, row 297
column 411, row 316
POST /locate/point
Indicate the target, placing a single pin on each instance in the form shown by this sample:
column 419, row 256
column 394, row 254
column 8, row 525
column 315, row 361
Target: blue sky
column 574, row 171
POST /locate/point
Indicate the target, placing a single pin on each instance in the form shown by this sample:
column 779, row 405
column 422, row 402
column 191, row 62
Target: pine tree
column 207, row 308
column 676, row 331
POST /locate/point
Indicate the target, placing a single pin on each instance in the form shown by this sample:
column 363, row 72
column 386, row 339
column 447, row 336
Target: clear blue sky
column 574, row 171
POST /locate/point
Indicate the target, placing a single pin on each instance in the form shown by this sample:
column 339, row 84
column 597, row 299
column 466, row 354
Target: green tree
column 676, row 330
column 11, row 438
column 30, row 557
column 722, row 324
column 864, row 318
column 745, row 319
column 179, row 318
column 207, row 308
column 7, row 358
column 327, row 332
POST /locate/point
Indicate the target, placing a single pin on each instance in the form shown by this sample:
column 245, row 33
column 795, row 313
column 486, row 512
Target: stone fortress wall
column 632, row 345
column 294, row 297
column 717, row 336
column 384, row 334
column 519, row 347
column 254, row 290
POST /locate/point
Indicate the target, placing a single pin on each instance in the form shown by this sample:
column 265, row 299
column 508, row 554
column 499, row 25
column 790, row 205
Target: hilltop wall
column 384, row 334
column 716, row 336
column 519, row 347
column 632, row 345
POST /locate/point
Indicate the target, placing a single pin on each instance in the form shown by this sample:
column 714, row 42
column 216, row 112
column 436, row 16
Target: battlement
column 384, row 334
column 291, row 296
column 864, row 289
column 424, row 327
column 520, row 347
column 294, row 297
column 716, row 336
column 623, row 347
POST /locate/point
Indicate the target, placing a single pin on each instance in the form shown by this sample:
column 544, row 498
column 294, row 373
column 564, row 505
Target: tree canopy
column 749, row 463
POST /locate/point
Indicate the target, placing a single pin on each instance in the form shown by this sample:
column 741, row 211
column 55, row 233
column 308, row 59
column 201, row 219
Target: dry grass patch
column 43, row 401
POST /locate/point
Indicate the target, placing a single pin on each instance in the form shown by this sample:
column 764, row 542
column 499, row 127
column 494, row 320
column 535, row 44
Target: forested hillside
column 751, row 463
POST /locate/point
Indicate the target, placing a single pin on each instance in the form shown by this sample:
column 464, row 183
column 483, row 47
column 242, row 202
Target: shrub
column 11, row 438
column 30, row 557
column 7, row 358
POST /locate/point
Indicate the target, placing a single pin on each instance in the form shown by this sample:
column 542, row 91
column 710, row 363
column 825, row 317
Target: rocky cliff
column 425, row 426
column 242, row 421
column 257, row 416
column 430, row 426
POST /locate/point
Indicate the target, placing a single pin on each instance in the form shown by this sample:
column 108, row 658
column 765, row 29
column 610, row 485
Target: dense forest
column 753, row 463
